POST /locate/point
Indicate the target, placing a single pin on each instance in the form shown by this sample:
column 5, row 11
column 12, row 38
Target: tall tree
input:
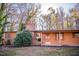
column 77, row 21
column 62, row 14
column 32, row 13
column 12, row 10
column 53, row 18
column 24, row 12
column 74, row 14
column 49, row 18
column 3, row 19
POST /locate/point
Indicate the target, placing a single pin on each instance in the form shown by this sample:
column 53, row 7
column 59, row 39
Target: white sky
column 45, row 6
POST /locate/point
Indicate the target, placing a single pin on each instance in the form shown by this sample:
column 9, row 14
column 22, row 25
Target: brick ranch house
column 46, row 37
column 49, row 38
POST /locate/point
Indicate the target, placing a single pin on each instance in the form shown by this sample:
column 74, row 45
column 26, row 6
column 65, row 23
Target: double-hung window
column 59, row 36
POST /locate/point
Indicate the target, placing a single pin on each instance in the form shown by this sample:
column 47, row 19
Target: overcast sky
column 66, row 6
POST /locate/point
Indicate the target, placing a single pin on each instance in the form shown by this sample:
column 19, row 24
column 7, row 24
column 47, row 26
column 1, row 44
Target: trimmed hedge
column 23, row 38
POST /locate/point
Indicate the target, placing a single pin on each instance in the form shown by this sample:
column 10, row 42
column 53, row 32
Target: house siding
column 49, row 38
column 70, row 40
column 67, row 39
column 11, row 38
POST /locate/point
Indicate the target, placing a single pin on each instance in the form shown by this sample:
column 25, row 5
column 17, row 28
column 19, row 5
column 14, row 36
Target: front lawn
column 7, row 52
column 40, row 51
column 64, row 52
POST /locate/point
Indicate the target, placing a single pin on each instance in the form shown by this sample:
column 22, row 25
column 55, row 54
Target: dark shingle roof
column 49, row 31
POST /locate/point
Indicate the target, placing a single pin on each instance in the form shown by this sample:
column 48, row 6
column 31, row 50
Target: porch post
column 3, row 42
column 59, row 41
column 41, row 38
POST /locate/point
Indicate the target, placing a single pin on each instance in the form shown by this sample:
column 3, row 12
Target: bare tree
column 32, row 13
column 22, row 13
column 61, row 10
column 74, row 14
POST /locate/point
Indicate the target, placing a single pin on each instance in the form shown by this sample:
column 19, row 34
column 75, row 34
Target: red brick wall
column 11, row 35
column 70, row 40
column 67, row 39
column 49, row 39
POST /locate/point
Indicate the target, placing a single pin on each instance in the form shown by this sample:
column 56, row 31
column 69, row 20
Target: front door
column 36, row 39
